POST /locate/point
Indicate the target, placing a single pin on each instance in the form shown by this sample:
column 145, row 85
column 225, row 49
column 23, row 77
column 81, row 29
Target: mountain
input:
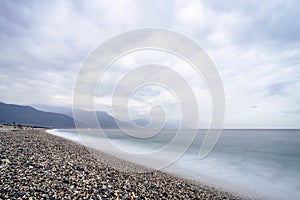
column 63, row 118
column 142, row 122
column 104, row 119
column 26, row 115
column 63, row 110
column 108, row 121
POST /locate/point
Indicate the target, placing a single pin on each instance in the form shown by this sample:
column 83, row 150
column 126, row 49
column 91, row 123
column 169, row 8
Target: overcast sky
column 254, row 45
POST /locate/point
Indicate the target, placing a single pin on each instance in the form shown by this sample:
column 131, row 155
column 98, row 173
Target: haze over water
column 256, row 163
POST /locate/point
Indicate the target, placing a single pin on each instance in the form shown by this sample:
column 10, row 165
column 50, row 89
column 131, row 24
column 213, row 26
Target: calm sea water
column 257, row 163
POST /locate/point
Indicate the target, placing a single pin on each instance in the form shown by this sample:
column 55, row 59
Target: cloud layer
column 254, row 44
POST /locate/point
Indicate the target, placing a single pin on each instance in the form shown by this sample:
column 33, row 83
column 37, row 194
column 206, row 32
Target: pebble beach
column 37, row 165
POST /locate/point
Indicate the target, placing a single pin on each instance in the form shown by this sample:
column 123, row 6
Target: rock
column 6, row 161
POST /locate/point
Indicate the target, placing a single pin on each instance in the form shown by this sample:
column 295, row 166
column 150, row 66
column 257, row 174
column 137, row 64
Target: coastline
column 35, row 164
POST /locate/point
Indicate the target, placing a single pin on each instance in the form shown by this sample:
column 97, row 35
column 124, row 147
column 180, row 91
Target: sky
column 253, row 44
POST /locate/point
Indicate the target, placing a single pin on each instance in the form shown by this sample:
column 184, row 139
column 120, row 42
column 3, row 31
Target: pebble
column 37, row 165
column 5, row 161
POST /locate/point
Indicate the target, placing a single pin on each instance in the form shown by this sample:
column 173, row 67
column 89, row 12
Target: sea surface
column 264, row 164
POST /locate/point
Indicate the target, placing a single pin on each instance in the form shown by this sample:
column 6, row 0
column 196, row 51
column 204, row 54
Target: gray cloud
column 279, row 88
column 296, row 111
column 255, row 45
column 15, row 19
column 262, row 21
column 254, row 106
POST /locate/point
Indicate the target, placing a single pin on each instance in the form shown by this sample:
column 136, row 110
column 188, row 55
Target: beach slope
column 37, row 165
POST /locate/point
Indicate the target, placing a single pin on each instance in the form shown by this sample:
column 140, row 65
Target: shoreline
column 40, row 165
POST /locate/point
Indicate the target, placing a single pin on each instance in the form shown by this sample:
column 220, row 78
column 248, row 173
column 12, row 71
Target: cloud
column 279, row 88
column 296, row 111
column 254, row 106
column 254, row 44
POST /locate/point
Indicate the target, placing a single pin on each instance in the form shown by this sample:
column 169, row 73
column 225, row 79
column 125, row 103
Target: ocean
column 262, row 164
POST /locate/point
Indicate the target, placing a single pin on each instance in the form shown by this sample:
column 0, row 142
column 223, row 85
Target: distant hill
column 26, row 115
column 104, row 119
column 63, row 118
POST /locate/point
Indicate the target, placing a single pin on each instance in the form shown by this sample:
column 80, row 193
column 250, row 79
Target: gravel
column 37, row 165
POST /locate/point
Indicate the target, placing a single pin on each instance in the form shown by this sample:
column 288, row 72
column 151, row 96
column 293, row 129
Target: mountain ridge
column 27, row 115
column 30, row 116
